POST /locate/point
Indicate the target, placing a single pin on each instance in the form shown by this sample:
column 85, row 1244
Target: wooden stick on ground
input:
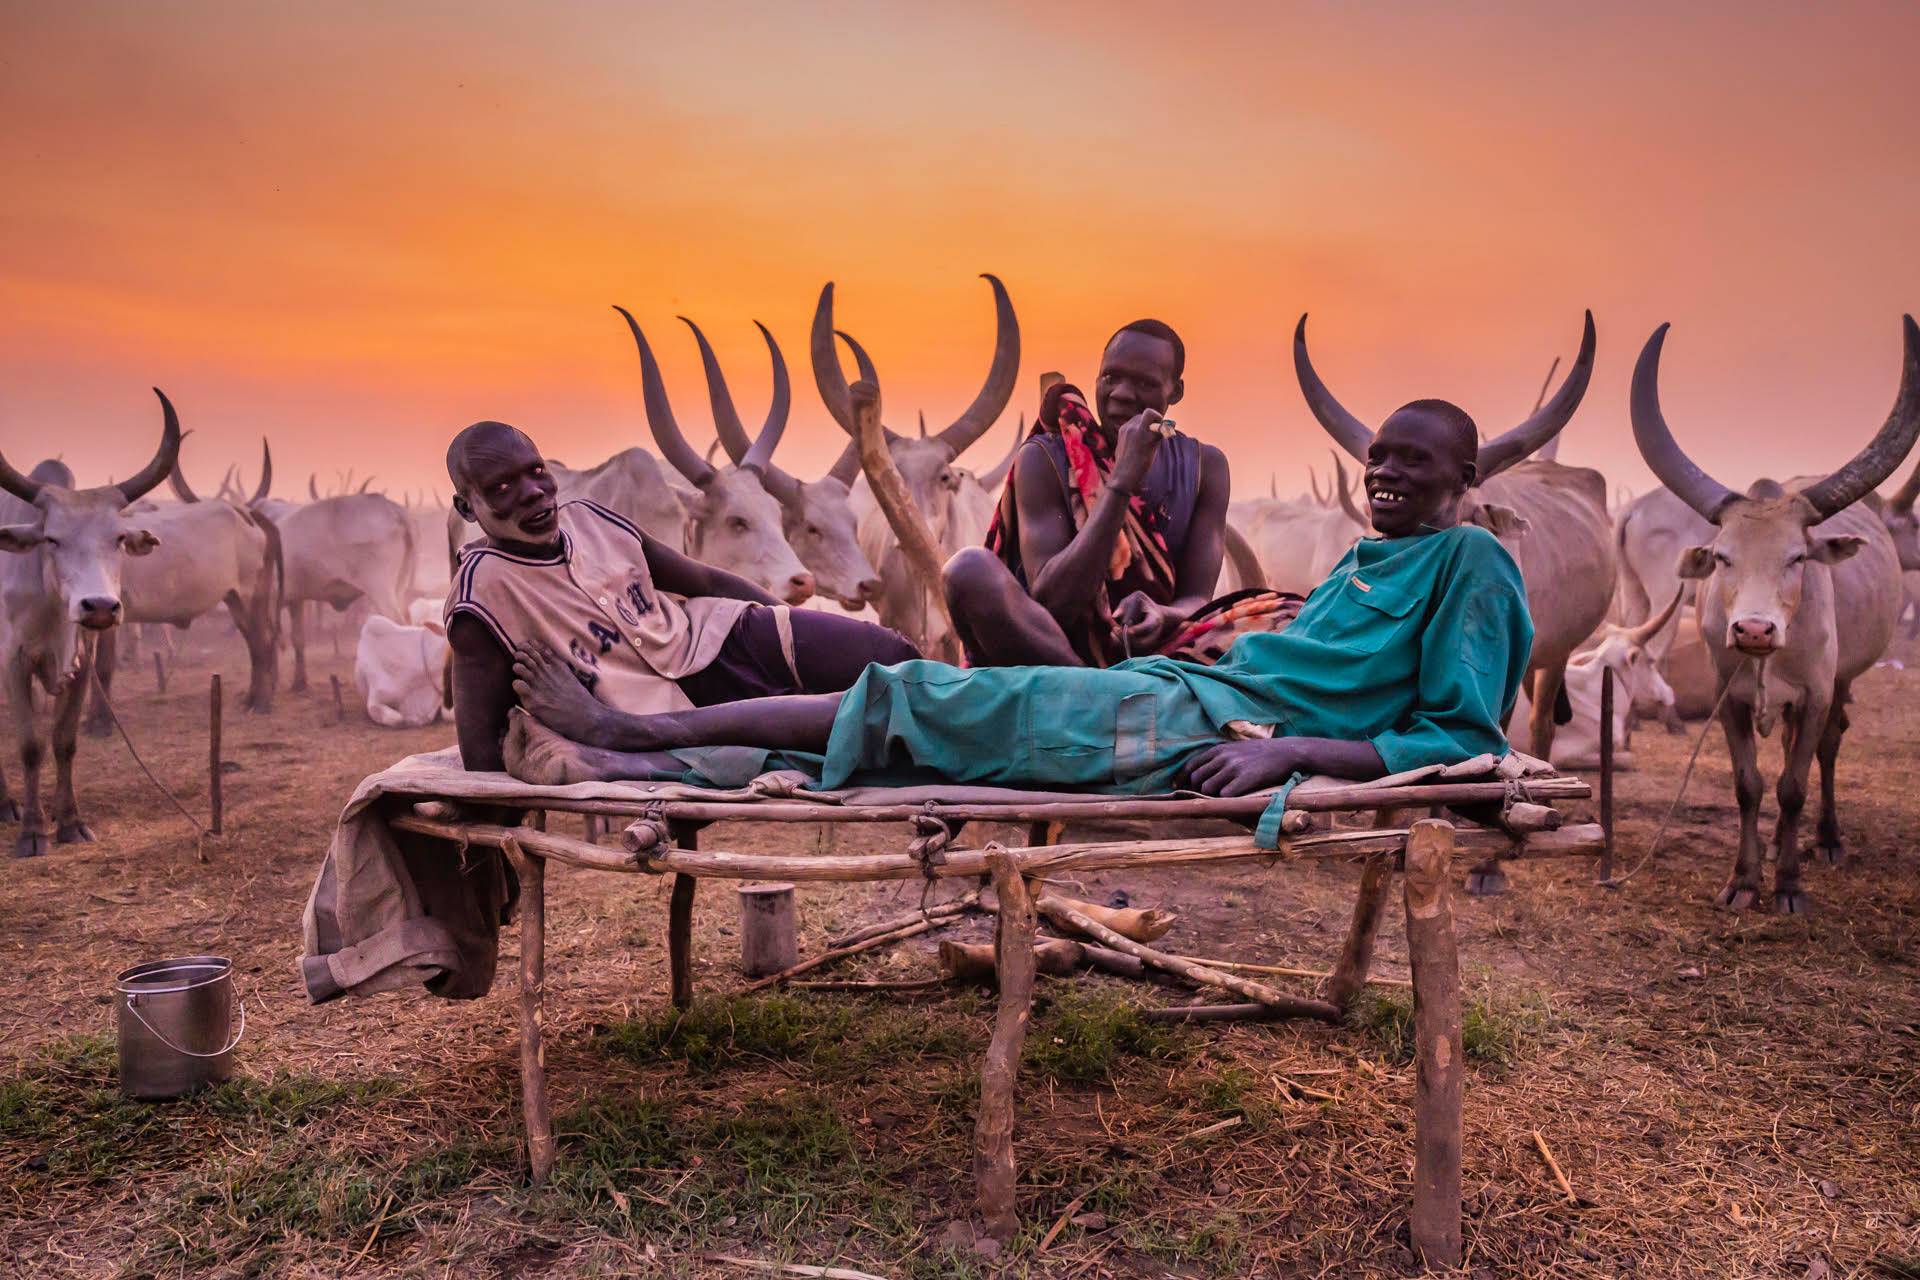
column 1553, row 1166
column 840, row 953
column 533, row 984
column 940, row 911
column 1439, row 1072
column 993, row 1165
column 1066, row 917
column 1289, row 971
column 1149, row 924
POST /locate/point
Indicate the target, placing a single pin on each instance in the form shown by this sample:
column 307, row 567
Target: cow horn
column 998, row 388
column 313, row 485
column 1903, row 498
column 994, row 479
column 1347, row 431
column 666, row 432
column 138, row 486
column 177, row 478
column 1346, row 499
column 1656, row 443
column 1313, row 482
column 1887, row 450
column 1501, row 452
column 1641, row 636
column 726, row 419
column 266, row 473
column 827, row 374
column 364, row 484
column 228, row 483
column 21, row 487
column 923, row 424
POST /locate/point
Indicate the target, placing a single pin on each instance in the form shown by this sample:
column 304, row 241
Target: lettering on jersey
column 637, row 593
column 606, row 635
column 582, row 655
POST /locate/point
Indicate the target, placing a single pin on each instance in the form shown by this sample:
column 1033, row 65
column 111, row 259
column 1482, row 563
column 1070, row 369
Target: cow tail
column 1631, row 602
column 1246, row 564
column 277, row 557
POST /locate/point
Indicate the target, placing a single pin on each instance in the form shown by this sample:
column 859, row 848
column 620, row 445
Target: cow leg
column 1829, row 842
column 252, row 624
column 1736, row 718
column 72, row 699
column 1806, row 727
column 1546, row 693
column 106, row 649
column 32, row 841
column 297, row 633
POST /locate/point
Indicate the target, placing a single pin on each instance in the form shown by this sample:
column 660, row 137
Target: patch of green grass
column 1492, row 1031
column 832, row 1037
column 1084, row 1033
column 1219, row 1243
column 1230, row 1089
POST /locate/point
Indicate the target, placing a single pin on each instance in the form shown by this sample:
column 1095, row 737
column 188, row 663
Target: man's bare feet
column 536, row 754
column 546, row 686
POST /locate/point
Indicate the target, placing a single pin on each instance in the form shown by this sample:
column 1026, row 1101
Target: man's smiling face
column 1418, row 468
column 504, row 485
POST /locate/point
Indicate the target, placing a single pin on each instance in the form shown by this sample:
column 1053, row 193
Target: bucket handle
column 133, row 1007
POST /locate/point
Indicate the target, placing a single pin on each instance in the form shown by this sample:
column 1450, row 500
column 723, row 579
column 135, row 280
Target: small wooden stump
column 994, row 1173
column 1439, row 1068
column 215, row 800
column 769, row 940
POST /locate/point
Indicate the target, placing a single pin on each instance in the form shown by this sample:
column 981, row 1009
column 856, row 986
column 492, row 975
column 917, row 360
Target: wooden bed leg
column 994, row 1173
column 533, row 994
column 680, row 920
column 1356, row 954
column 1606, row 771
column 1439, row 1071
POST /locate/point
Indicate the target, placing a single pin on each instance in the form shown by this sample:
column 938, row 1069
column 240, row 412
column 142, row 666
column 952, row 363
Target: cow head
column 815, row 518
column 82, row 533
column 733, row 523
column 1764, row 539
column 925, row 462
column 1636, row 672
column 1897, row 513
column 1495, row 455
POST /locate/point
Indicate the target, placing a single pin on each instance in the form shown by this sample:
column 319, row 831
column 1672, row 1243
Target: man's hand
column 1133, row 452
column 1141, row 626
column 1242, row 768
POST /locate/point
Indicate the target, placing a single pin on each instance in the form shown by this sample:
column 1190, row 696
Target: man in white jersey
column 643, row 628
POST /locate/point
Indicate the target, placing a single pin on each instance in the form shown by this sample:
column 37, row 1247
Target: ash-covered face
column 502, row 484
column 1418, row 469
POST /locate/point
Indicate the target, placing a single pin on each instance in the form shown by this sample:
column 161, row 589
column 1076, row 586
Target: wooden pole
column 1356, row 953
column 533, row 993
column 940, row 911
column 159, row 671
column 993, row 1165
column 768, row 938
column 684, row 835
column 339, row 703
column 1606, row 772
column 214, row 798
column 1439, row 1071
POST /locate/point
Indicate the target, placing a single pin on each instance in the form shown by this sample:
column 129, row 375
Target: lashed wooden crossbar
column 662, row 841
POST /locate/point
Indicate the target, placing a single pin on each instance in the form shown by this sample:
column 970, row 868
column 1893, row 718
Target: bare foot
column 536, row 754
column 546, row 686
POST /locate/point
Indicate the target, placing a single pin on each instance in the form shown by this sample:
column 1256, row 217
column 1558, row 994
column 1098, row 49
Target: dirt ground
column 1734, row 1095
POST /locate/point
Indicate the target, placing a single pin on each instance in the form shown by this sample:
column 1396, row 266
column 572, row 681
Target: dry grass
column 1728, row 1095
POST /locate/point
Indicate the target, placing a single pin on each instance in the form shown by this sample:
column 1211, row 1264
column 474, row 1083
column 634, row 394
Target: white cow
column 399, row 670
column 1638, row 690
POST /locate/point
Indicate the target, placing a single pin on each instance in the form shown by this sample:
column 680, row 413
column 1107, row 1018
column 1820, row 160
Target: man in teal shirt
column 1409, row 654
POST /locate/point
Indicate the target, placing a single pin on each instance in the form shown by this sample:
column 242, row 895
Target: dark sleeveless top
column 1172, row 480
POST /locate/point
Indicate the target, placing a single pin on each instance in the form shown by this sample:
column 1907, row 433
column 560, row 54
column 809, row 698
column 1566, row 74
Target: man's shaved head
column 481, row 439
column 1457, row 425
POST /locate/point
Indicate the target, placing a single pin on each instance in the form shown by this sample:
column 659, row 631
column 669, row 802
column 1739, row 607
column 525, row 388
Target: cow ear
column 20, row 537
column 1841, row 546
column 138, row 542
column 694, row 502
column 1498, row 520
column 1695, row 562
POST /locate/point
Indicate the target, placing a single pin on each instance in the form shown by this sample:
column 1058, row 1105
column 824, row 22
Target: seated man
column 643, row 629
column 1109, row 534
column 1409, row 654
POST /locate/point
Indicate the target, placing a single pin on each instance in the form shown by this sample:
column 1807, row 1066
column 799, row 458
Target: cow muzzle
column 98, row 613
column 798, row 588
column 1756, row 637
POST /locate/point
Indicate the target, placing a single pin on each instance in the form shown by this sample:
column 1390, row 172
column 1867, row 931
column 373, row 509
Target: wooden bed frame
column 1491, row 821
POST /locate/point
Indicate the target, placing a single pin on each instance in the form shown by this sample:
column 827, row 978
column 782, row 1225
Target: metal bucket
column 176, row 1026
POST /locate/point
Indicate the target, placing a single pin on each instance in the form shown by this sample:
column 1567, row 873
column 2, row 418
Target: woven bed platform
column 1486, row 821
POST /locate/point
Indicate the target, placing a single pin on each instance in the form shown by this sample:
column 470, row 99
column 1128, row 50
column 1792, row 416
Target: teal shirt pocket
column 1365, row 616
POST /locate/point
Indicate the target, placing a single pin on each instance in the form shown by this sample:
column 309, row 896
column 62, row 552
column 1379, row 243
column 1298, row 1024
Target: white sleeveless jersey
column 595, row 602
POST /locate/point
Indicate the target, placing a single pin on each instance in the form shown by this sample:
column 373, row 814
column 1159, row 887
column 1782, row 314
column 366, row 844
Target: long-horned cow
column 1785, row 564
column 63, row 577
column 213, row 553
column 1553, row 518
column 816, row 516
column 1639, row 690
column 953, row 503
column 1298, row 541
column 339, row 550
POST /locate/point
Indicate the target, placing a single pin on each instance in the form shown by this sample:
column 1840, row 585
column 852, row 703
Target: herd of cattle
column 1694, row 595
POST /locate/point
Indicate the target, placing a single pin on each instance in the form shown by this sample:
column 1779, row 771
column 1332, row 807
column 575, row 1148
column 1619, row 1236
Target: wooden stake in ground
column 1606, row 771
column 159, row 672
column 533, row 988
column 339, row 703
column 214, row 797
column 768, row 942
column 993, row 1165
column 1439, row 1072
column 680, row 922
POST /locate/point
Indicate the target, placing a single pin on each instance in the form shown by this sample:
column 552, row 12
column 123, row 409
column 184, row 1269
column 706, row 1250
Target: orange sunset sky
column 357, row 227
